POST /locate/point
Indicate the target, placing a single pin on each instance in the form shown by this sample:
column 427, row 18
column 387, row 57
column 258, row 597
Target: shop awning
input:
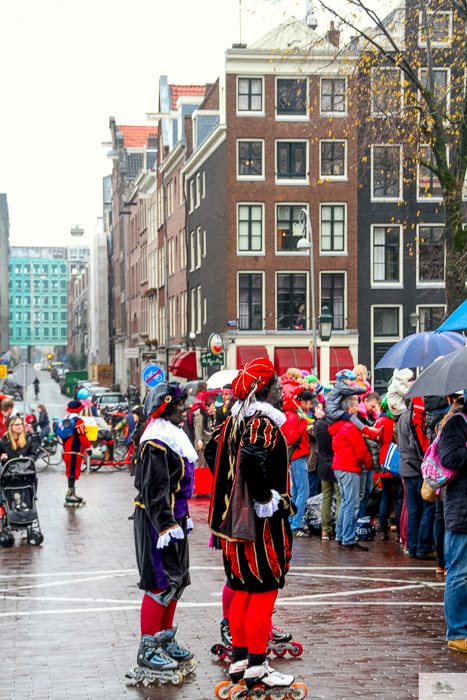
column 340, row 358
column 183, row 364
column 293, row 357
column 246, row 353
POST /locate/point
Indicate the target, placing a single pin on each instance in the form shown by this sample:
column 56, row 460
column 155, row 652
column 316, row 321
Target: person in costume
column 73, row 448
column 249, row 511
column 164, row 480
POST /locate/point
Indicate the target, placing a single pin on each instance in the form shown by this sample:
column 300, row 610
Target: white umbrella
column 220, row 379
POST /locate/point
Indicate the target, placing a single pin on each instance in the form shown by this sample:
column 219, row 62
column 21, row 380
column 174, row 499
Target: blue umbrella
column 457, row 321
column 420, row 350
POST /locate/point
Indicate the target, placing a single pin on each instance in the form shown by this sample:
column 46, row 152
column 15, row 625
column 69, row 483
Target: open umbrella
column 420, row 350
column 445, row 376
column 457, row 321
column 221, row 378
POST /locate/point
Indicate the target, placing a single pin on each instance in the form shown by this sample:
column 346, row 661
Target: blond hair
column 294, row 373
column 22, row 437
column 361, row 369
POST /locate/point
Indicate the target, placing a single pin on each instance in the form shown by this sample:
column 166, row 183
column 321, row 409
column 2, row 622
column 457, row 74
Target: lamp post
column 413, row 320
column 77, row 231
column 192, row 337
column 325, row 324
column 306, row 243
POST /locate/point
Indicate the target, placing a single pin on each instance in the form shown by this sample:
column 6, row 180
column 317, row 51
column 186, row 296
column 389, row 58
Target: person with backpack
column 72, row 431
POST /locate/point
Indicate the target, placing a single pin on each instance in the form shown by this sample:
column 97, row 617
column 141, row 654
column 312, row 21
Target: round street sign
column 24, row 374
column 215, row 344
column 153, row 375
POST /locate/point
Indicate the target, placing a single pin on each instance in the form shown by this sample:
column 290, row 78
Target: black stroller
column 18, row 486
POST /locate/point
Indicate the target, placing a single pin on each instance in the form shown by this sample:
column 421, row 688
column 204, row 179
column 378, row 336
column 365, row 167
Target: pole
column 24, row 391
column 166, row 281
column 313, row 306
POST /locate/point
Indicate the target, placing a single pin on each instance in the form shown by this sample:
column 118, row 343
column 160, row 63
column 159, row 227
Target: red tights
column 250, row 620
column 155, row 617
column 227, row 598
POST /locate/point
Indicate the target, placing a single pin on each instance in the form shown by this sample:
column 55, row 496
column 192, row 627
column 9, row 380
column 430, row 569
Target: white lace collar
column 168, row 433
column 273, row 413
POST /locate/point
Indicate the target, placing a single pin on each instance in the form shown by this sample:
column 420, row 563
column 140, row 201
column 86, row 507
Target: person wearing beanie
column 73, row 448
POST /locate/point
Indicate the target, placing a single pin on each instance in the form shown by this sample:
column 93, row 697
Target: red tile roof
column 137, row 136
column 178, row 90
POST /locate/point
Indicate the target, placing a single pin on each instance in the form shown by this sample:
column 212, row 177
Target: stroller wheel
column 6, row 539
column 35, row 538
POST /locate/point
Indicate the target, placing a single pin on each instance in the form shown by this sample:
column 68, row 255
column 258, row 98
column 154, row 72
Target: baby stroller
column 18, row 485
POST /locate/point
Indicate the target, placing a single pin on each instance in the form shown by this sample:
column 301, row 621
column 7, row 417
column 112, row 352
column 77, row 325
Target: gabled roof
column 137, row 136
column 292, row 35
column 178, row 90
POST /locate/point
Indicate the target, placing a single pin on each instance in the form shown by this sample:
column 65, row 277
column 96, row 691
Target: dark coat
column 323, row 439
column 29, row 450
column 453, row 455
column 410, row 452
column 340, row 391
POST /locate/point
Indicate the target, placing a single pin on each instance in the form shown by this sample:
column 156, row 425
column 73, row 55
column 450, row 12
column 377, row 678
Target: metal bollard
column 88, row 462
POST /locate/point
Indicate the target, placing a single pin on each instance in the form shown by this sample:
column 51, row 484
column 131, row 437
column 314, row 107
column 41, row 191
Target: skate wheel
column 279, row 652
column 191, row 666
column 298, row 691
column 296, row 649
column 268, row 651
column 277, row 694
column 222, row 690
column 177, row 678
column 239, row 691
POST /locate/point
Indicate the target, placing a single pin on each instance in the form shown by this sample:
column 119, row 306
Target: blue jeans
column 349, row 485
column 313, row 484
column 366, row 482
column 455, row 594
column 420, row 518
column 299, row 474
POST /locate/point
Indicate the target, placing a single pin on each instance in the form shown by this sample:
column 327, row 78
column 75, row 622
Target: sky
column 66, row 67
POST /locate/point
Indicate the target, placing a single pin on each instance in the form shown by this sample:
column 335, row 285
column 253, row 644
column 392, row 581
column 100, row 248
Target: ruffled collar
column 168, row 433
column 273, row 413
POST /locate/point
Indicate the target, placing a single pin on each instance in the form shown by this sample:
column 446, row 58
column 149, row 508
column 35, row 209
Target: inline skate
column 154, row 664
column 72, row 500
column 263, row 683
column 224, row 649
column 183, row 657
column 281, row 642
column 236, row 672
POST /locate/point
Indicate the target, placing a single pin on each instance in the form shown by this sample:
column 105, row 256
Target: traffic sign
column 24, row 374
column 153, row 375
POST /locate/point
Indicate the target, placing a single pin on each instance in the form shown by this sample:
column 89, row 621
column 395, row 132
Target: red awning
column 293, row 357
column 340, row 358
column 247, row 353
column 183, row 364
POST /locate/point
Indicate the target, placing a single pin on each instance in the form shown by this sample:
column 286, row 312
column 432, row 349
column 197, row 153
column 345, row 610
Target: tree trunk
column 456, row 250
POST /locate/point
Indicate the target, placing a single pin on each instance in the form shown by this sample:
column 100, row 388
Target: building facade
column 4, row 291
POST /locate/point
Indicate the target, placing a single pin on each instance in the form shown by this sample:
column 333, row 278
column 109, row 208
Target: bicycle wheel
column 55, row 452
column 120, row 452
column 43, row 459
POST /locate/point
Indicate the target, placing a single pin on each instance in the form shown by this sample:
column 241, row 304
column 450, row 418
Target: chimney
column 310, row 18
column 333, row 35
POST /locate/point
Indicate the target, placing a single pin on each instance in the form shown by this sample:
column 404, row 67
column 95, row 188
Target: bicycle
column 115, row 453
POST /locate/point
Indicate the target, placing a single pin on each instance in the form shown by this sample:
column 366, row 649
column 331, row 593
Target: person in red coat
column 350, row 453
column 73, row 448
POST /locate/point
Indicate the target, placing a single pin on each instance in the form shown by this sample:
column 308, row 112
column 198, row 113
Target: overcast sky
column 67, row 66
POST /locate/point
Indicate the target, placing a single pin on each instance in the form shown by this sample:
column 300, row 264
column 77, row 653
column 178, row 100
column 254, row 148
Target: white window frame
column 204, row 244
column 435, row 44
column 198, row 248
column 246, row 113
column 250, row 178
column 387, row 285
column 448, row 84
column 192, row 251
column 193, row 310
column 334, row 253
column 419, row 307
column 428, row 198
column 203, row 185
column 434, row 284
column 205, row 311
column 400, row 198
column 334, row 178
column 199, row 309
column 192, row 195
column 382, row 115
column 289, row 181
column 182, row 243
column 383, row 339
column 294, row 253
column 181, row 189
column 252, row 252
column 308, row 301
column 345, row 113
column 198, row 191
column 334, row 272
column 263, row 298
column 292, row 117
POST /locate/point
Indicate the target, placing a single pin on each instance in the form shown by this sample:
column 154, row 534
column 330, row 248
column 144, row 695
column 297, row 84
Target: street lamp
column 306, row 243
column 192, row 337
column 325, row 324
column 77, row 231
column 413, row 320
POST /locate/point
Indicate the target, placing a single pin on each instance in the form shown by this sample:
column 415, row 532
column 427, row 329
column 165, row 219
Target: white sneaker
column 237, row 670
column 268, row 676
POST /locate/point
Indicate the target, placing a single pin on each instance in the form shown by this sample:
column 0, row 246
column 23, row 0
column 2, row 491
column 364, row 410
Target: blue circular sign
column 153, row 375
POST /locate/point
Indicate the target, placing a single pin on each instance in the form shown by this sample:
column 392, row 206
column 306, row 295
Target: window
column 333, row 96
column 45, row 285
column 288, row 226
column 18, row 269
column 332, row 296
column 440, row 83
column 54, row 332
column 198, row 309
column 198, row 190
column 18, row 285
column 291, row 302
column 250, row 227
column 54, row 284
column 172, row 317
column 386, row 91
column 55, row 269
column 203, row 185
column 36, row 269
column 386, row 254
column 333, row 159
column 63, row 316
column 204, row 244
column 45, row 316
column 192, row 251
column 386, row 321
column 428, row 183
column 291, row 160
column 162, row 325
column 250, row 95
column 431, row 317
column 63, row 332
column 181, row 189
column 250, row 159
column 250, row 301
column 192, row 310
column 291, row 97
column 183, row 298
column 62, row 301
column 63, row 269
column 18, row 316
column 431, row 255
column 63, row 285
column 54, row 315
column 198, row 248
column 182, row 240
column 192, row 195
column 45, row 332
column 438, row 28
column 19, row 332
column 386, row 172
column 333, row 228
column 205, row 311
column 18, row 301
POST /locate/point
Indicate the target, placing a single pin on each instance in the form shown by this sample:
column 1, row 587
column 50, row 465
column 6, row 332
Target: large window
column 431, row 317
column 250, row 95
column 333, row 296
column 291, row 97
column 333, row 95
column 291, row 302
column 386, row 254
column 333, row 159
column 291, row 160
column 386, row 170
column 440, row 85
column 250, row 158
column 438, row 28
column 250, row 227
column 431, row 255
column 332, row 228
column 386, row 321
column 250, row 301
column 428, row 183
column 386, row 91
column 288, row 226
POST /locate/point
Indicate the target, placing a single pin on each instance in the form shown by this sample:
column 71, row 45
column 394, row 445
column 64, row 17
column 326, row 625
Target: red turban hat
column 260, row 371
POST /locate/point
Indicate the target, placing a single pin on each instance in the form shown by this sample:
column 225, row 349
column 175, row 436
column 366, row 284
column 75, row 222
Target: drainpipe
column 166, row 290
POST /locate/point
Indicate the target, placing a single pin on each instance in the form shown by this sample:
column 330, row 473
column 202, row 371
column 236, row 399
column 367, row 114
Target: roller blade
column 147, row 676
column 187, row 667
column 293, row 648
column 223, row 689
column 296, row 691
column 74, row 505
column 222, row 652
